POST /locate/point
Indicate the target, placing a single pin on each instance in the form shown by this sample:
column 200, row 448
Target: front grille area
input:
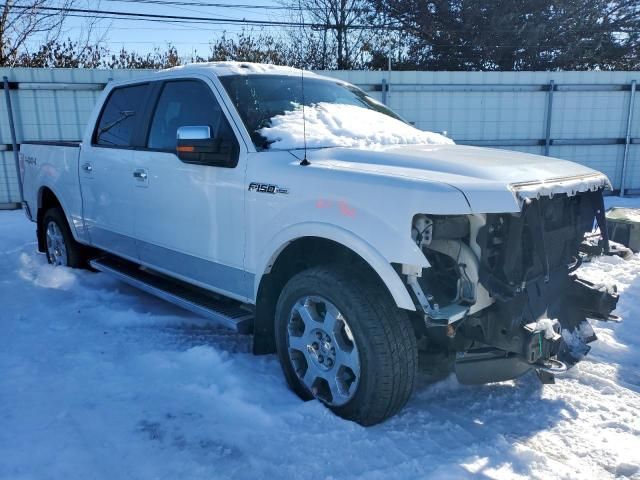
column 537, row 243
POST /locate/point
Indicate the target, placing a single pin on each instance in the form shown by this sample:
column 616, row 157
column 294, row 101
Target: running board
column 226, row 312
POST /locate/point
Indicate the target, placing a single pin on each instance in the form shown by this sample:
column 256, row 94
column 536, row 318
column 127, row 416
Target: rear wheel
column 60, row 246
column 344, row 342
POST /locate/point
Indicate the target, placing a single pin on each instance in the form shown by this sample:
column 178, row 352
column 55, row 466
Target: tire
column 368, row 391
column 60, row 246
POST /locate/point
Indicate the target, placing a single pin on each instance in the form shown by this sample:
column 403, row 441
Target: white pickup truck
column 297, row 208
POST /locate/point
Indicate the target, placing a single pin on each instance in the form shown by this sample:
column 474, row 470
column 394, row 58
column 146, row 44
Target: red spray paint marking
column 322, row 203
column 343, row 207
column 346, row 210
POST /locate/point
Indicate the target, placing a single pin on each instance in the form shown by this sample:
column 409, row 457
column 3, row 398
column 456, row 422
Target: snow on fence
column 588, row 117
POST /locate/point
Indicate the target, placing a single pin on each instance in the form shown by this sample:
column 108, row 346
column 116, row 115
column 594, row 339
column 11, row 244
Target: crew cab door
column 189, row 216
column 106, row 171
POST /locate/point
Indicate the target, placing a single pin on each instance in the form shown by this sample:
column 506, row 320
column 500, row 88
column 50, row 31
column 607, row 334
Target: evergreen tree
column 515, row 34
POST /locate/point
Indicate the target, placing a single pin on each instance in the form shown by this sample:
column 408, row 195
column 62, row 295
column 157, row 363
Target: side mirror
column 195, row 145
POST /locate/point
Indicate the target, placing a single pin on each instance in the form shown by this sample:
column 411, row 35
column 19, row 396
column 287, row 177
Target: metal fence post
column 547, row 135
column 627, row 141
column 14, row 142
column 384, row 90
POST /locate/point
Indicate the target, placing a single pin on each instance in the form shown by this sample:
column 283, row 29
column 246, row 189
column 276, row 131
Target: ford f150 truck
column 345, row 257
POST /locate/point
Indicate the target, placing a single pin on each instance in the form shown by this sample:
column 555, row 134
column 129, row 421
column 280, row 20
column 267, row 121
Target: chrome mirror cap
column 194, row 132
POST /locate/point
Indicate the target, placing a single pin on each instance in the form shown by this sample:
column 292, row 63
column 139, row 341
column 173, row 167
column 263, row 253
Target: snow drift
column 337, row 125
column 101, row 381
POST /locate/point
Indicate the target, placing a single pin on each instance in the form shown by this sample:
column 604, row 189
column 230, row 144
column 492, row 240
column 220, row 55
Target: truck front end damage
column 503, row 290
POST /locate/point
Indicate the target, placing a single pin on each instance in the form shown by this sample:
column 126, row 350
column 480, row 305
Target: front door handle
column 140, row 174
column 87, row 167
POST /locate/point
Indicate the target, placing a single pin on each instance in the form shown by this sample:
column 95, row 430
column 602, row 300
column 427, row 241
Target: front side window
column 186, row 103
column 120, row 116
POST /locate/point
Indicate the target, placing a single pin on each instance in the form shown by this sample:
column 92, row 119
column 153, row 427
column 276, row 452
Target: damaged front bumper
column 539, row 310
column 548, row 346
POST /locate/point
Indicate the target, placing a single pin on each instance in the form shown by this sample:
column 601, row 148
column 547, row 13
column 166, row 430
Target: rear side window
column 120, row 115
column 186, row 103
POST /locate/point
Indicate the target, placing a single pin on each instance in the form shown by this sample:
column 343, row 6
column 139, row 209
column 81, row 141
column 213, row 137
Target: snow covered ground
column 100, row 381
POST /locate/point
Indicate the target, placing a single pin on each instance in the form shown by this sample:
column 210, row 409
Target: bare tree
column 341, row 27
column 29, row 22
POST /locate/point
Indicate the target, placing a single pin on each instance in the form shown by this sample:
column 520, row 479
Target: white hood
column 489, row 178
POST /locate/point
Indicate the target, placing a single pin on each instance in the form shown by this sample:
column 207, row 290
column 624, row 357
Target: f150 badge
column 267, row 188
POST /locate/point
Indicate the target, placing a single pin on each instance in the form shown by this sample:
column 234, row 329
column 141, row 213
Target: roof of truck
column 222, row 69
column 241, row 68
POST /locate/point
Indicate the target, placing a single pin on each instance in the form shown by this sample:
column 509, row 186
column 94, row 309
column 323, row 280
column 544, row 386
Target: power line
column 182, row 19
column 234, row 6
column 152, row 20
column 91, row 13
column 182, row 6
column 115, row 14
column 214, row 5
column 438, row 45
column 197, row 20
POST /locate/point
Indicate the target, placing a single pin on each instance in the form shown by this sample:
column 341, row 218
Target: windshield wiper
column 124, row 114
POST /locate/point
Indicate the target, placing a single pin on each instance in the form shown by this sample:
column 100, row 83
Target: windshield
column 260, row 98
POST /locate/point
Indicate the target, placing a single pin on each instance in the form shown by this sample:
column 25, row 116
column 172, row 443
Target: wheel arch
column 305, row 252
column 47, row 198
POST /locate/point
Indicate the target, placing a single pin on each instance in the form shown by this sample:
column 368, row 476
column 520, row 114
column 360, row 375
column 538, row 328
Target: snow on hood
column 335, row 125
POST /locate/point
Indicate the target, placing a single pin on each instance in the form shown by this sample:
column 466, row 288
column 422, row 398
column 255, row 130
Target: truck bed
column 53, row 165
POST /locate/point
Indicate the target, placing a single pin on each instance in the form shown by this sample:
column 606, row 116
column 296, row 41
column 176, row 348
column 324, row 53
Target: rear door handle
column 87, row 167
column 140, row 174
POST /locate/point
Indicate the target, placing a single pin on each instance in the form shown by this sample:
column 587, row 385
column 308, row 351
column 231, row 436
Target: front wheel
column 61, row 248
column 342, row 340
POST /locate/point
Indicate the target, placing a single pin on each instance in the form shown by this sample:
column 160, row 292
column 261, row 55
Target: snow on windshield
column 338, row 125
